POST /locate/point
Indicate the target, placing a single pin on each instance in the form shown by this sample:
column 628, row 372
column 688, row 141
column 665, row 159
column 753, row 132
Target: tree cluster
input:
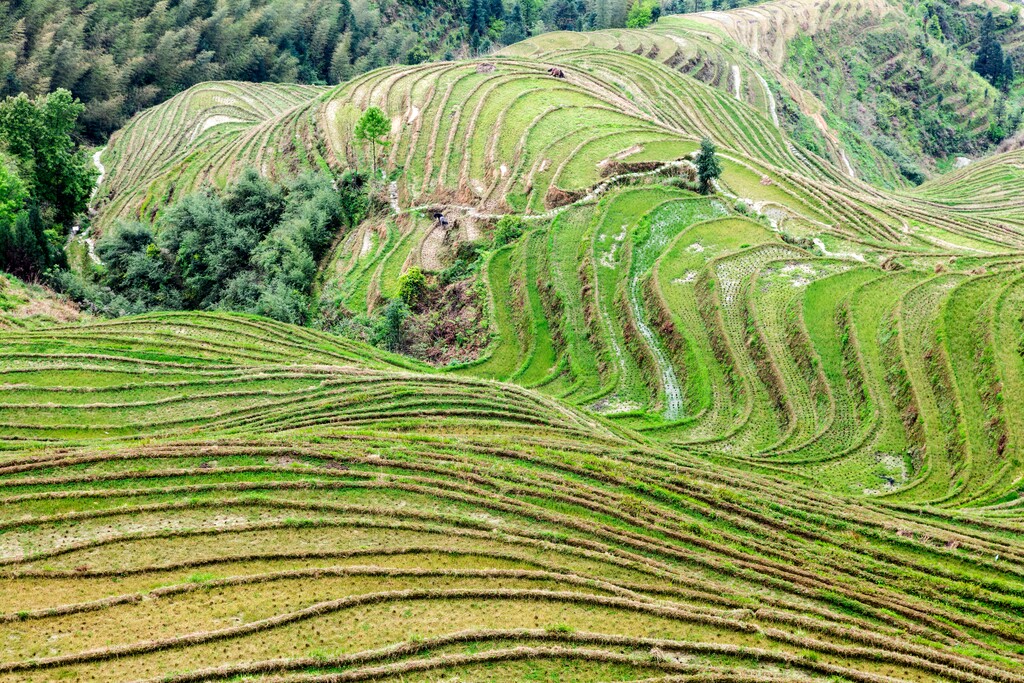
column 990, row 61
column 643, row 13
column 45, row 181
column 121, row 57
column 255, row 248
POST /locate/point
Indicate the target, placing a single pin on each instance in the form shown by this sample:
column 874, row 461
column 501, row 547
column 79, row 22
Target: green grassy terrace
column 220, row 498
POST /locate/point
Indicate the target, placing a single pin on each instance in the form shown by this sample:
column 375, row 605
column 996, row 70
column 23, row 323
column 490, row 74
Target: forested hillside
column 921, row 86
column 121, row 57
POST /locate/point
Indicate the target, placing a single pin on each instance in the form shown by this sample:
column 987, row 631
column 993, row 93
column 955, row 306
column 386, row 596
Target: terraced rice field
column 775, row 433
column 215, row 498
column 841, row 357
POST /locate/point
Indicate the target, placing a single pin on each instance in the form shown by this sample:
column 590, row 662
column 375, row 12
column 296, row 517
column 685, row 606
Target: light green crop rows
column 220, row 498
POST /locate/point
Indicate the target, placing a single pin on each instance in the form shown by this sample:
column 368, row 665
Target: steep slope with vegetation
column 610, row 283
column 215, row 498
column 616, row 363
column 122, row 57
column 903, row 84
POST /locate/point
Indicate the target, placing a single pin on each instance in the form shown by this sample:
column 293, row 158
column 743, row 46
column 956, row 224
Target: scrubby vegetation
column 920, row 87
column 45, row 181
column 253, row 249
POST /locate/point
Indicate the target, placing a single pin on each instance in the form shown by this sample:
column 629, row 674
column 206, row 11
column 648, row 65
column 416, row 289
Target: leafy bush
column 253, row 249
column 412, row 285
column 388, row 328
column 467, row 262
column 508, row 229
column 642, row 13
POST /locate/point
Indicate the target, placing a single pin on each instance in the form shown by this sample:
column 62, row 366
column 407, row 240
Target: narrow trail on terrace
column 102, row 169
column 736, row 80
column 593, row 195
column 90, row 243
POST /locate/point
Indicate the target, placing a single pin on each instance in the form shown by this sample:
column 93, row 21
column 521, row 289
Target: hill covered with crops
column 771, row 431
column 193, row 497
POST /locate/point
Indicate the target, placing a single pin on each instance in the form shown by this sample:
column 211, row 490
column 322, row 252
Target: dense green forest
column 45, row 181
column 120, row 57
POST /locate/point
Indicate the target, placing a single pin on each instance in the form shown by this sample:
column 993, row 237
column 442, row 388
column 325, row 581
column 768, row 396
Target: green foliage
column 902, row 95
column 38, row 134
column 13, row 192
column 138, row 269
column 708, row 167
column 353, row 199
column 508, row 229
column 412, row 285
column 121, row 57
column 44, row 183
column 642, row 13
column 372, row 127
column 388, row 328
column 989, row 60
column 29, row 245
column 254, row 249
column 467, row 262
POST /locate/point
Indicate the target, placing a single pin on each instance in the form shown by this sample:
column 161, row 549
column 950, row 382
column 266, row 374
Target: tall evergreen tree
column 495, row 10
column 515, row 25
column 1007, row 75
column 476, row 19
column 989, row 62
column 708, row 166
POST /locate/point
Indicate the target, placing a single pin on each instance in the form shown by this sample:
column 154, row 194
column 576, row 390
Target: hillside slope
column 215, row 498
column 770, row 433
column 800, row 322
column 900, row 101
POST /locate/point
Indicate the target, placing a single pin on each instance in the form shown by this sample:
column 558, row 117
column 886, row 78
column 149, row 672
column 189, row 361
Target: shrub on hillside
column 254, row 248
column 508, row 229
column 412, row 285
column 466, row 263
column 389, row 327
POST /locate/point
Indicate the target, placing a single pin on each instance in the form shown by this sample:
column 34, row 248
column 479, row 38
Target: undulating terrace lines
column 968, row 337
column 773, row 291
column 158, row 159
column 840, row 495
column 556, row 487
column 826, row 319
column 1008, row 330
column 683, row 288
column 764, row 419
column 927, row 367
column 716, row 112
column 688, row 116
